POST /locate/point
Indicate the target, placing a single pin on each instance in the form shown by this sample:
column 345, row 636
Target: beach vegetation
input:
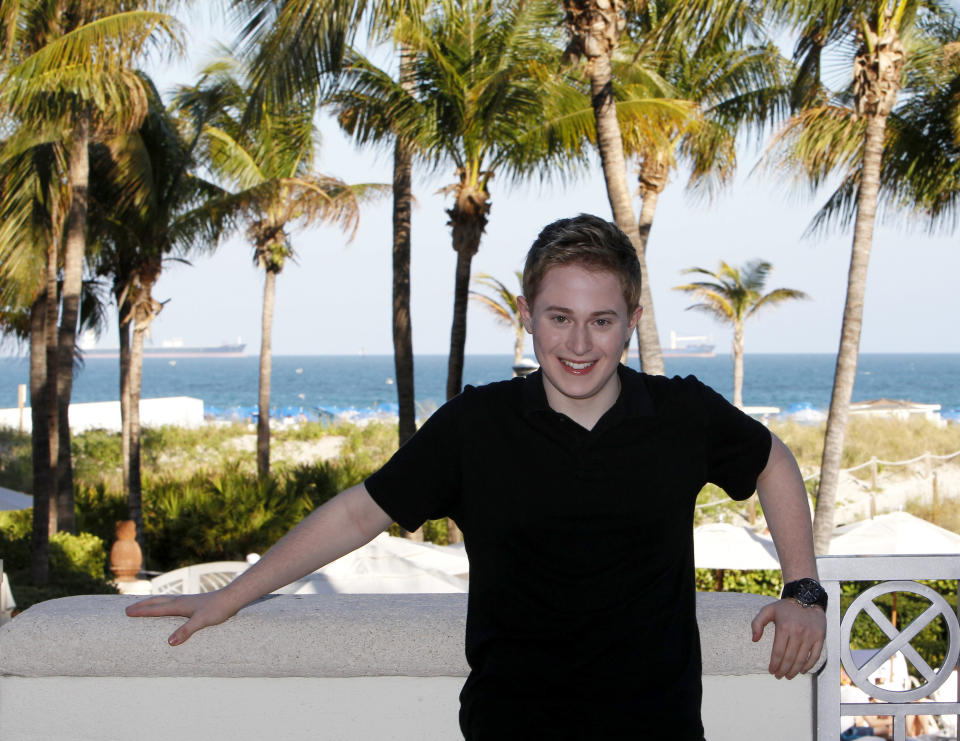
column 945, row 511
column 886, row 439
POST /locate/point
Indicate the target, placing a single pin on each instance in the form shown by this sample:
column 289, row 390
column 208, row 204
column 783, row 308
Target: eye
column 559, row 319
column 603, row 322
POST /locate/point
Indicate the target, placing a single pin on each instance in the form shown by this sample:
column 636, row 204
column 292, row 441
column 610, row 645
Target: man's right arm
column 343, row 524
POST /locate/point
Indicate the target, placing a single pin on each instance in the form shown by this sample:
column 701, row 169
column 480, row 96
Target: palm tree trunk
column 75, row 244
column 847, row 355
column 51, row 409
column 402, row 328
column 653, row 176
column 468, row 219
column 134, row 385
column 458, row 331
column 123, row 323
column 42, row 473
column 738, row 366
column 266, row 359
column 610, row 146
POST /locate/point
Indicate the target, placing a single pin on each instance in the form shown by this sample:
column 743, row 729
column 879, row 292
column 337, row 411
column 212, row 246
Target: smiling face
column 580, row 322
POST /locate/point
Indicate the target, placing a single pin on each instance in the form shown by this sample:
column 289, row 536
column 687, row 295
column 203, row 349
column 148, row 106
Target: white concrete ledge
column 348, row 635
column 322, row 667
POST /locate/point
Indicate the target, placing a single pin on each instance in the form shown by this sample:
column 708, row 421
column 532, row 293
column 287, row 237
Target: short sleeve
column 737, row 446
column 421, row 481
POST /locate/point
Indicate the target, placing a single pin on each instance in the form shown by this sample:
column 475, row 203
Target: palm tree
column 595, row 28
column 67, row 79
column 295, row 49
column 31, row 200
column 147, row 204
column 883, row 37
column 502, row 303
column 486, row 96
column 268, row 167
column 732, row 296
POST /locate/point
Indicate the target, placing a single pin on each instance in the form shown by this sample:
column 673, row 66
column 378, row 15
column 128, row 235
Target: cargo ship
column 685, row 347
column 688, row 347
column 174, row 349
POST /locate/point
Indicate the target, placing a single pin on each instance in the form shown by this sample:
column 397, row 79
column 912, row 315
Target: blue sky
column 336, row 298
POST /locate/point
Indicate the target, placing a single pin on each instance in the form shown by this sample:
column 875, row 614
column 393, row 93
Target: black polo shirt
column 581, row 620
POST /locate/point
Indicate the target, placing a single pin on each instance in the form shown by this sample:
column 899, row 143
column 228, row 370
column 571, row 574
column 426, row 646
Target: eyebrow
column 565, row 310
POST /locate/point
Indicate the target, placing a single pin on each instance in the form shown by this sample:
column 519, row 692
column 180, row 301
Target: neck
column 585, row 412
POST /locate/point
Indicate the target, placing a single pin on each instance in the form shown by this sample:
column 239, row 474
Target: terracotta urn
column 125, row 556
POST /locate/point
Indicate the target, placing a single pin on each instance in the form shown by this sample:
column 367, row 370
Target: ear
column 635, row 318
column 525, row 317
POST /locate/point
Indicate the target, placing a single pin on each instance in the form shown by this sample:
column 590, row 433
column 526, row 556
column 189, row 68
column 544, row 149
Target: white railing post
column 897, row 574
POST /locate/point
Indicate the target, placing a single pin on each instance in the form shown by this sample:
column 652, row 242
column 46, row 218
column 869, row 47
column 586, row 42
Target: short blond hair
column 585, row 240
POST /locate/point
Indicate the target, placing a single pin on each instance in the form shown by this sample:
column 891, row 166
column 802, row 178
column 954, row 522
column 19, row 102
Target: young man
column 574, row 488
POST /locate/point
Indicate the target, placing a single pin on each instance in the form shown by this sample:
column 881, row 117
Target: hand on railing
column 798, row 636
column 203, row 610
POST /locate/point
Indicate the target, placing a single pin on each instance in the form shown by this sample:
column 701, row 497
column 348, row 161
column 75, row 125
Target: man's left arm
column 798, row 631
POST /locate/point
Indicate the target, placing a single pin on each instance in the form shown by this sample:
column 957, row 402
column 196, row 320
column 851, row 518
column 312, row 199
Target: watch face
column 808, row 592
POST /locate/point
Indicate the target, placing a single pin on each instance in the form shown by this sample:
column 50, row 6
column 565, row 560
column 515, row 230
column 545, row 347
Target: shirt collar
column 634, row 399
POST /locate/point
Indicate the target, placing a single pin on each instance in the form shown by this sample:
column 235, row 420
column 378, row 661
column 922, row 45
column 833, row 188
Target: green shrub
column 83, row 553
column 434, row 531
column 16, row 464
column 756, row 581
column 98, row 509
column 77, row 562
column 16, row 523
column 15, row 530
column 223, row 517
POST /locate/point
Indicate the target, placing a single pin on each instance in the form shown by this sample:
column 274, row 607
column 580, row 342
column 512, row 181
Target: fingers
column 160, row 607
column 760, row 621
column 814, row 656
column 798, row 639
column 186, row 630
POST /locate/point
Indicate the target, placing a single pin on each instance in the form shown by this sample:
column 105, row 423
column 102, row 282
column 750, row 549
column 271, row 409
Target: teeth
column 577, row 366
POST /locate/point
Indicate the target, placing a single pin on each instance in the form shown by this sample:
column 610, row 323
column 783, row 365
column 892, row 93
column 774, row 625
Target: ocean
column 306, row 384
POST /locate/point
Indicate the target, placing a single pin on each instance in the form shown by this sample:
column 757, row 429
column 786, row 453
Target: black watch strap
column 807, row 593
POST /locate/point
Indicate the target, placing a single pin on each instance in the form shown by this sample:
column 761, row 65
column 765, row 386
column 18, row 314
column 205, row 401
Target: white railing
column 898, row 575
column 203, row 577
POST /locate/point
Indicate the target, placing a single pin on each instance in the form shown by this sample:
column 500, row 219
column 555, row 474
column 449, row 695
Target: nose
column 579, row 340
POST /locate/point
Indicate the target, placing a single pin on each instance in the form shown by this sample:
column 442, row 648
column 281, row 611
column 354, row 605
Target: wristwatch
column 806, row 593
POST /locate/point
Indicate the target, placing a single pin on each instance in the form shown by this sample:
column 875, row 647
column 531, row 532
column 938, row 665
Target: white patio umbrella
column 10, row 499
column 722, row 546
column 389, row 565
column 893, row 533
